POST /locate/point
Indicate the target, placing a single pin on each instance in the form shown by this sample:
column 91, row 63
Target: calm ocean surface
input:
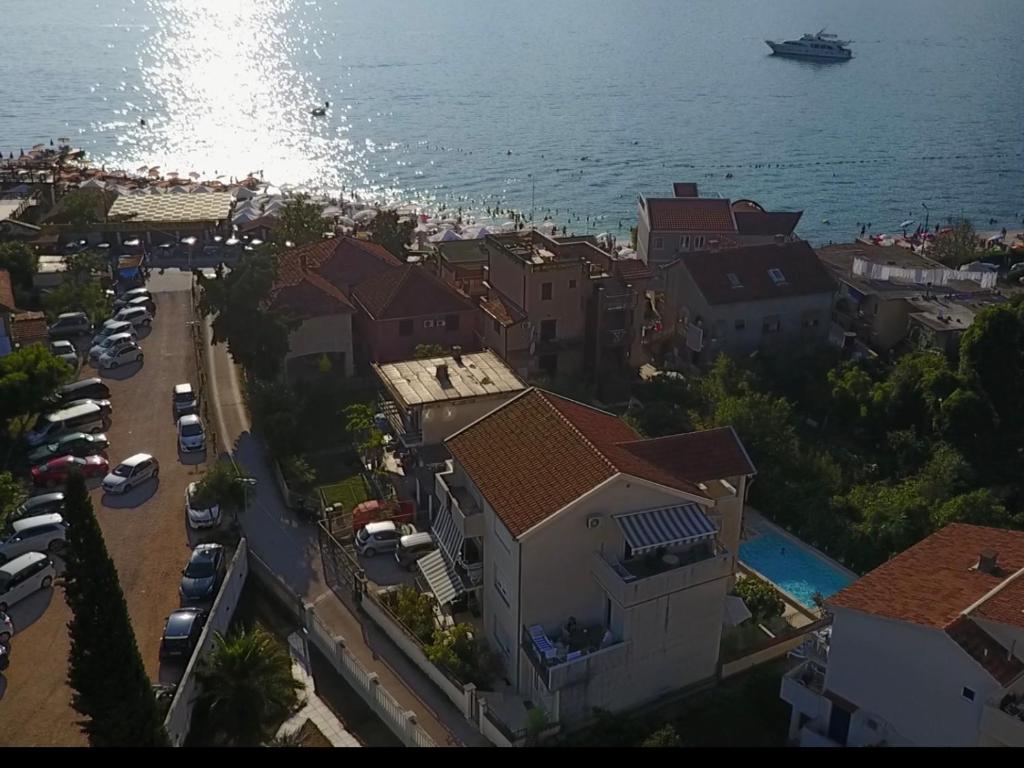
column 596, row 100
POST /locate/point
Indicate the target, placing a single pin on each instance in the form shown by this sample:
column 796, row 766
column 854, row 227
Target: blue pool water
column 795, row 570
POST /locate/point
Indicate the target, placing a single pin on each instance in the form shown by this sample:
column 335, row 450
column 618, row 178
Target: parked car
column 56, row 471
column 135, row 315
column 133, row 294
column 181, row 633
column 6, row 628
column 185, row 400
column 66, row 351
column 200, row 513
column 70, row 324
column 377, row 537
column 91, row 387
column 110, row 327
column 412, row 547
column 42, row 504
column 204, row 573
column 40, row 533
column 73, row 444
column 24, row 576
column 129, row 353
column 146, row 302
column 114, row 341
column 191, row 435
column 80, row 418
column 131, row 472
column 104, row 405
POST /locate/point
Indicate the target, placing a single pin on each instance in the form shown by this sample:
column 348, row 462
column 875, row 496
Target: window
column 771, row 325
column 572, row 284
column 740, row 324
column 776, row 275
column 497, row 327
column 684, row 243
column 734, row 280
column 548, row 329
column 500, row 638
column 501, row 588
column 698, row 241
column 657, row 244
column 967, row 693
column 405, row 327
column 545, row 292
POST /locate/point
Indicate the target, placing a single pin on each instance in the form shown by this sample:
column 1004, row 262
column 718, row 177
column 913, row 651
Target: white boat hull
column 804, row 52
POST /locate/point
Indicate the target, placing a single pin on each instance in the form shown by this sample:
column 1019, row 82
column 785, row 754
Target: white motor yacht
column 818, row 46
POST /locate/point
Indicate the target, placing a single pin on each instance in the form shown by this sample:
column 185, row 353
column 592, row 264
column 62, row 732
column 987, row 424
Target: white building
column 925, row 650
column 602, row 561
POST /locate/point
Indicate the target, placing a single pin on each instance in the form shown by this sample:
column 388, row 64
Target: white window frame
column 698, row 241
column 684, row 243
column 777, row 276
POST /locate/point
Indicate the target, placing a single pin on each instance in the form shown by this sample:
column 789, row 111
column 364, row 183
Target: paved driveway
column 145, row 531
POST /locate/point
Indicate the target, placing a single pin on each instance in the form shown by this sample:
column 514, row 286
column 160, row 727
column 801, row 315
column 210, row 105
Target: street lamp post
column 927, row 214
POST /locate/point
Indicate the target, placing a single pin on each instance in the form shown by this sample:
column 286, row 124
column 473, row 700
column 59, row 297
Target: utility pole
column 927, row 214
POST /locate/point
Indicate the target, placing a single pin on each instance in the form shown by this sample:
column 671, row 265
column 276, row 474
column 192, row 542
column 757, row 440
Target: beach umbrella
column 364, row 216
column 445, row 237
column 177, row 190
column 142, row 169
column 345, row 221
column 907, row 223
column 193, row 174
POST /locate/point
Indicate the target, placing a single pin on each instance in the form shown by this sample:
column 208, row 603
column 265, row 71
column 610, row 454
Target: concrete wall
column 908, row 677
column 317, row 335
column 387, row 345
column 440, row 421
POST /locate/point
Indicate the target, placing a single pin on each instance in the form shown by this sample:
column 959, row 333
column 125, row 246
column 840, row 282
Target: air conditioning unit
column 593, row 521
column 428, row 323
column 439, row 323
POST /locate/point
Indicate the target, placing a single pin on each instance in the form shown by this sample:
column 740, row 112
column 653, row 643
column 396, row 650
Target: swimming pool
column 796, row 570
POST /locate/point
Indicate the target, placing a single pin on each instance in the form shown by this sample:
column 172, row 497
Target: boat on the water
column 822, row 46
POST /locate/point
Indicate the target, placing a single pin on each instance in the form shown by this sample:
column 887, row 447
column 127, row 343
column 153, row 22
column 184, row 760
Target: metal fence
column 197, row 325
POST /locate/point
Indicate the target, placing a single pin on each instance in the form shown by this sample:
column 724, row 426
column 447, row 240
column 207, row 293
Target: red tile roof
column 803, row 272
column 936, row 580
column 632, row 269
column 6, row 292
column 29, row 328
column 1005, row 606
column 301, row 291
column 684, row 189
column 767, row 222
column 985, row 649
column 408, row 291
column 502, row 309
column 540, row 451
column 713, row 454
column 690, row 214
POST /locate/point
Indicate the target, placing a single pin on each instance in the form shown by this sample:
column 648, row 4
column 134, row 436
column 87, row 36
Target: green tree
column 86, row 267
column 957, row 247
column 257, row 337
column 415, row 610
column 72, row 296
column 664, row 737
column 464, row 655
column 427, row 351
column 992, row 359
column 20, row 260
column 221, row 485
column 12, row 493
column 300, row 221
column 387, row 231
column 367, row 438
column 83, row 207
column 851, row 403
column 664, row 405
column 276, row 410
column 761, row 598
column 245, row 687
column 28, row 376
column 299, row 475
column 110, row 687
column 978, row 507
column 968, row 421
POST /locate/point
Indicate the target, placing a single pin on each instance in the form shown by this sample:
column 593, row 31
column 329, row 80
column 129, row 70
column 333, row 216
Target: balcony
column 398, row 419
column 565, row 658
column 639, row 579
column 1002, row 721
column 803, row 688
column 559, row 344
column 467, row 515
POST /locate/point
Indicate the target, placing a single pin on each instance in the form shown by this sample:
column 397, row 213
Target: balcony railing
column 639, row 579
column 397, row 419
column 574, row 657
column 465, row 511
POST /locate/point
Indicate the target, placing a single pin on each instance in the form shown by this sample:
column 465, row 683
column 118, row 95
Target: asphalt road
column 145, row 531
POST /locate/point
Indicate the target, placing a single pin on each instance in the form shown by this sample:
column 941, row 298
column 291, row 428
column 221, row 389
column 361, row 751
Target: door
column 839, row 725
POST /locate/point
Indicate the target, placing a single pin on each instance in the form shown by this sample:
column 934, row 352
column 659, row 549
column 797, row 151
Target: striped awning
column 448, row 536
column 664, row 527
column 442, row 579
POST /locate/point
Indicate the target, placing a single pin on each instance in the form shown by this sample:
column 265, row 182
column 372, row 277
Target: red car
column 56, row 471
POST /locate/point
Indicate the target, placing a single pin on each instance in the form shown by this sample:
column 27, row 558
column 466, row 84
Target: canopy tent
column 177, row 189
column 665, row 527
column 441, row 578
column 445, row 237
column 242, row 193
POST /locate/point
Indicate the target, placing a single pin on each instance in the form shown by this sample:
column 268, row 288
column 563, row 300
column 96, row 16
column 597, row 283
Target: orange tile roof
column 6, row 292
column 540, row 451
column 501, row 308
column 408, row 291
column 935, row 581
column 690, row 214
column 985, row 649
column 1005, row 606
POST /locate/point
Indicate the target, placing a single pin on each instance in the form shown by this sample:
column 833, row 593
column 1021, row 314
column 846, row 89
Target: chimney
column 987, row 561
column 457, row 354
column 442, row 372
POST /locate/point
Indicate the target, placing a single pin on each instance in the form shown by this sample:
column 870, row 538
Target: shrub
column 221, row 485
column 297, row 473
column 414, row 609
column 665, row 736
column 464, row 655
column 760, row 597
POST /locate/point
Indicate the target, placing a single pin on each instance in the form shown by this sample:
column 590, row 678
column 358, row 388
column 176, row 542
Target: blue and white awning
column 442, row 579
column 665, row 527
column 448, row 536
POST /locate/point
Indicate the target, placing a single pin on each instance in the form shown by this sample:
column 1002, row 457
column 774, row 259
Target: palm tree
column 246, row 686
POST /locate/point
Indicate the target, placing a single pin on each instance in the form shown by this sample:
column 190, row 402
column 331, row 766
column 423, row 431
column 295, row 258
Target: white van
column 80, row 418
column 24, row 576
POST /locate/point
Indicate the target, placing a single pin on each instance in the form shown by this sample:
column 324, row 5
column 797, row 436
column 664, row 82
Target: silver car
column 41, row 533
column 191, row 435
column 111, row 342
column 131, row 353
column 66, row 351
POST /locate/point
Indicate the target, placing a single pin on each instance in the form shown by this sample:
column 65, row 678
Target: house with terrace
column 600, row 561
column 926, row 650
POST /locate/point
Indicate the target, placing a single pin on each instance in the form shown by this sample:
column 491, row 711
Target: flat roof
column 208, row 206
column 415, row 382
column 9, row 208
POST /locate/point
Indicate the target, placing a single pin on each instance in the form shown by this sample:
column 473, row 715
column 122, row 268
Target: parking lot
column 145, row 532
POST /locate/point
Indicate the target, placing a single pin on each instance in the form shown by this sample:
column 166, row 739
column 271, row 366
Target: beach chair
column 541, row 642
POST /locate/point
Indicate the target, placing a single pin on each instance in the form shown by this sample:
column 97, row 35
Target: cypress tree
column 111, row 689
